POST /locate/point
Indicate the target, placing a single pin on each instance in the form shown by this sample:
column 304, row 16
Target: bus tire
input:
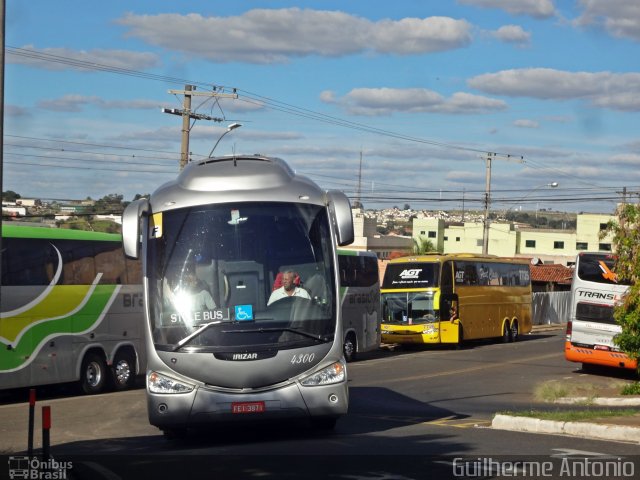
column 349, row 347
column 93, row 373
column 123, row 370
column 460, row 344
column 514, row 334
column 506, row 333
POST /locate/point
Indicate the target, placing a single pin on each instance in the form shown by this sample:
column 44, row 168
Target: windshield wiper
column 319, row 338
column 200, row 328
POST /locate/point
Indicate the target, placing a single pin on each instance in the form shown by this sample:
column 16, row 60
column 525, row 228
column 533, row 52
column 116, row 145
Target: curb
column 607, row 402
column 579, row 429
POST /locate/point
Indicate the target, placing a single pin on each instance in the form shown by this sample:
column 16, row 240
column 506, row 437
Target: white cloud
column 327, row 96
column 524, row 123
column 512, row 34
column 386, row 101
column 29, row 55
column 274, row 36
column 621, row 18
column 626, row 159
column 76, row 103
column 615, row 91
column 532, row 8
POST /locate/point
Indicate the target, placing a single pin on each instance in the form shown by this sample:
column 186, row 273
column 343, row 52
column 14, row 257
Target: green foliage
column 631, row 389
column 626, row 240
column 10, row 196
column 423, row 245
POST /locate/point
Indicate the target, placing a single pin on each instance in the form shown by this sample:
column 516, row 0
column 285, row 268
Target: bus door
column 449, row 322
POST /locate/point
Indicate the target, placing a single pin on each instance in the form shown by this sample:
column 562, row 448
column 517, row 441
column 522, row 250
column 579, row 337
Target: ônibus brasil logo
column 37, row 469
column 410, row 273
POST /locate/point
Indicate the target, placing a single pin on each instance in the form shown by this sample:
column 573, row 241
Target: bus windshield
column 408, row 308
column 598, row 268
column 223, row 277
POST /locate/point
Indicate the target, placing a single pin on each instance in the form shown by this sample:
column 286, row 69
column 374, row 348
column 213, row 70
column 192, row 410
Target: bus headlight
column 334, row 373
column 157, row 383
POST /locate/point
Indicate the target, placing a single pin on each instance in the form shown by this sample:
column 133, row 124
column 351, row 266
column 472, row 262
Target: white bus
column 218, row 349
column 360, row 300
column 71, row 310
column 591, row 329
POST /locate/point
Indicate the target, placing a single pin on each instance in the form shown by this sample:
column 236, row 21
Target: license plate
column 247, row 407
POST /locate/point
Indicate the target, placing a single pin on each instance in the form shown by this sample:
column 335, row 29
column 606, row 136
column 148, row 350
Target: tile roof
column 551, row 273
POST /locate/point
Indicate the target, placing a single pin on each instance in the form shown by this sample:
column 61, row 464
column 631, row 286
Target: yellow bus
column 438, row 298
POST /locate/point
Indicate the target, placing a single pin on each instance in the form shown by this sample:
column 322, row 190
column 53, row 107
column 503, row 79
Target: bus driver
column 288, row 289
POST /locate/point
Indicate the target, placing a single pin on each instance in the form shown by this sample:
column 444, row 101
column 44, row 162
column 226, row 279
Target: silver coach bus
column 223, row 343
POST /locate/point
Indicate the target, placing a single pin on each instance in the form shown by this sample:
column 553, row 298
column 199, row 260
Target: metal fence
column 550, row 308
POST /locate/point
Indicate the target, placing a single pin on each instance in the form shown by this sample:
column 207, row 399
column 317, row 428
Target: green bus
column 71, row 310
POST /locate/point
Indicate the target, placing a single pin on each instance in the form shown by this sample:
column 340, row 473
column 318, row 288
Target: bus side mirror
column 131, row 226
column 340, row 210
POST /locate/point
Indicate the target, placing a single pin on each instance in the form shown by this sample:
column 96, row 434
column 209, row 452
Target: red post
column 46, row 426
column 32, row 405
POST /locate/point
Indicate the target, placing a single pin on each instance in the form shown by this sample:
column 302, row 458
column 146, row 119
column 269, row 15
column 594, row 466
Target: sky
column 401, row 103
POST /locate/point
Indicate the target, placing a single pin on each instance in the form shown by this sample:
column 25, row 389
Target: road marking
column 568, row 452
column 454, row 421
column 476, row 368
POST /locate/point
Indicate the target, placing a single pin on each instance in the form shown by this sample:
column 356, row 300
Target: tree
column 626, row 240
column 423, row 245
column 10, row 196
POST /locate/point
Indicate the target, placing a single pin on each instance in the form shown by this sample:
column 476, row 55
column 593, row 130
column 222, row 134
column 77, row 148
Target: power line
column 251, row 97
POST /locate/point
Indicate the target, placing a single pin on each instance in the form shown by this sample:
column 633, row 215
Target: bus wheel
column 515, row 331
column 123, row 370
column 460, row 343
column 349, row 348
column 506, row 333
column 93, row 375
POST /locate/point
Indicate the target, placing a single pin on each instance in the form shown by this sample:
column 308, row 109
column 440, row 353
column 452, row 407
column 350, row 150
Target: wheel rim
column 514, row 331
column 122, row 372
column 93, row 374
column 348, row 348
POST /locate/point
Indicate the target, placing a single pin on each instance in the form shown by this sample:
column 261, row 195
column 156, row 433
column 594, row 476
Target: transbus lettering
column 596, row 295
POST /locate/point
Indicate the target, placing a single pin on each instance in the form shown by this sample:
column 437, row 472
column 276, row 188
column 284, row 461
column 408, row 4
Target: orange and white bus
column 591, row 329
column 450, row 298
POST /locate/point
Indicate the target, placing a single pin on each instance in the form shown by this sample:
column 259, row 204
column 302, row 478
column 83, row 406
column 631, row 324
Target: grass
column 553, row 390
column 631, row 389
column 573, row 415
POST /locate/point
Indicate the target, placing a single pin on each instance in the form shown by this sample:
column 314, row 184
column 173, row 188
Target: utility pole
column 3, row 22
column 487, row 202
column 186, row 126
column 359, row 202
column 487, row 196
column 187, row 115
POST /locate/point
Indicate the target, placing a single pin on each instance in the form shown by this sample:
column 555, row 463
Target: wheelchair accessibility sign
column 244, row 312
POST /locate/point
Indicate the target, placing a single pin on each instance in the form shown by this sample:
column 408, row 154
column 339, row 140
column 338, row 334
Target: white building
column 505, row 240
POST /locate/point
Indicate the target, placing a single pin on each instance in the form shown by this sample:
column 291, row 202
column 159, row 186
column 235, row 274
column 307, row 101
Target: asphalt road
column 411, row 412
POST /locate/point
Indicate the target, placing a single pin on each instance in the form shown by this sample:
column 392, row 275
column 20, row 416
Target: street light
column 233, row 126
column 533, row 190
